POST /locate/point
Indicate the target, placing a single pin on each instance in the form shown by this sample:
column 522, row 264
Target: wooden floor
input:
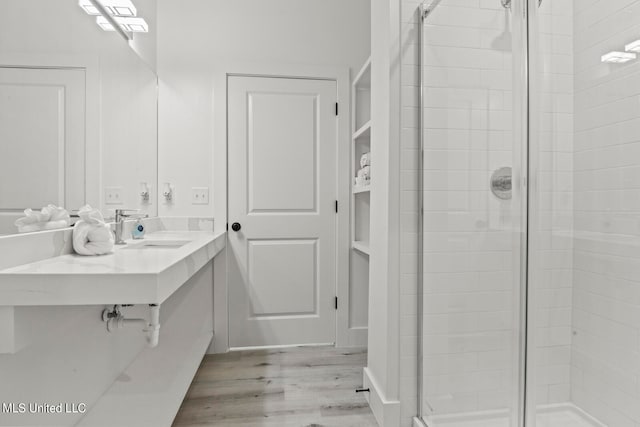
column 299, row 387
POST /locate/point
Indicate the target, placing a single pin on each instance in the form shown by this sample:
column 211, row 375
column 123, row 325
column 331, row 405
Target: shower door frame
column 524, row 10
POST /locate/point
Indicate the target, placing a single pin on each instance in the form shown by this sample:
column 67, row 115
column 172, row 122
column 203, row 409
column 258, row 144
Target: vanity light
column 618, row 57
column 135, row 25
column 88, row 7
column 114, row 7
column 132, row 25
column 633, row 46
column 104, row 24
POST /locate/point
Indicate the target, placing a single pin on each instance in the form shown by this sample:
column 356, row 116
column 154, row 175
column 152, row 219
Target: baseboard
column 386, row 412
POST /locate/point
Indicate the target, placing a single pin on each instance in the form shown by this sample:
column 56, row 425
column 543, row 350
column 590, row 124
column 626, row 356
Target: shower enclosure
column 528, row 223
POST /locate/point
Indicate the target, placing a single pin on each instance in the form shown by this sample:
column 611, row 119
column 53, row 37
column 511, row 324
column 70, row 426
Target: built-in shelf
column 363, row 132
column 361, row 189
column 356, row 297
column 361, row 247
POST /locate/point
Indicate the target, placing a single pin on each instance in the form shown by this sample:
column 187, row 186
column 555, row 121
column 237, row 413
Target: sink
column 157, row 244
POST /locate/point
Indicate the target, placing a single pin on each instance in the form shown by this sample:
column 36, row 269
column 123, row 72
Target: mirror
column 78, row 109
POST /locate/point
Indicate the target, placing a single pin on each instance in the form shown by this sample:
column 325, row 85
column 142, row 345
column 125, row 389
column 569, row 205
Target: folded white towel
column 91, row 235
column 365, row 160
column 362, row 182
column 365, row 172
column 50, row 217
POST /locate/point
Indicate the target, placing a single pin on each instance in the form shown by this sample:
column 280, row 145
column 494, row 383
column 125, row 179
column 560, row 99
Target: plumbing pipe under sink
column 116, row 320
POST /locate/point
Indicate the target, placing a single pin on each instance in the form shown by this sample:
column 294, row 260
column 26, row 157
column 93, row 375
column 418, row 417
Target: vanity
column 144, row 271
column 55, row 346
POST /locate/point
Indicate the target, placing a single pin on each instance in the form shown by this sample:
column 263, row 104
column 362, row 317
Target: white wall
column 383, row 365
column 199, row 38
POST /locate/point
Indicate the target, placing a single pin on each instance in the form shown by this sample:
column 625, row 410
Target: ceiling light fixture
column 124, row 8
column 618, row 57
column 132, row 25
column 633, row 46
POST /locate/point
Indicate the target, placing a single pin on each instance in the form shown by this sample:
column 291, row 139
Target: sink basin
column 157, row 244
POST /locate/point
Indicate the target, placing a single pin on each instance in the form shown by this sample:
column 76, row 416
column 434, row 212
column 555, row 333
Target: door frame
column 339, row 74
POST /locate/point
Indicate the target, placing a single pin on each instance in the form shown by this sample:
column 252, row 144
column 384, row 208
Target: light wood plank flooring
column 299, row 387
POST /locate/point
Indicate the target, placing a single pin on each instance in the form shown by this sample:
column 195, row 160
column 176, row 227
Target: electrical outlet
column 113, row 196
column 200, row 195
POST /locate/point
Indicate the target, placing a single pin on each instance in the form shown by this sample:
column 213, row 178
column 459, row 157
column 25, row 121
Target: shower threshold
column 559, row 415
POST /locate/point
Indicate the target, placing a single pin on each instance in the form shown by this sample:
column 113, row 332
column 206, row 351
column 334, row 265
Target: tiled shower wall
column 551, row 202
column 605, row 377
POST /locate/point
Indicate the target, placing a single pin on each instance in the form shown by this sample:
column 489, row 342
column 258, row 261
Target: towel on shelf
column 361, row 181
column 49, row 218
column 365, row 172
column 91, row 235
column 365, row 160
column 363, row 177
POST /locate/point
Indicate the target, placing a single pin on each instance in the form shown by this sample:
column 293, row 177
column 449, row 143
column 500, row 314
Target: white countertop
column 127, row 276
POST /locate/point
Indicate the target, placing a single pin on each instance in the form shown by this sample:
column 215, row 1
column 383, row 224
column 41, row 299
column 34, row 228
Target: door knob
column 236, row 226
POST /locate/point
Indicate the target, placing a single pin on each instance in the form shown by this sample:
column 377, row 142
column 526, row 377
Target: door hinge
column 336, row 303
column 227, row 226
column 336, row 108
column 336, row 206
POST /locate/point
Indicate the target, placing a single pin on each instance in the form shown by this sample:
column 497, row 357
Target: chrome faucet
column 120, row 217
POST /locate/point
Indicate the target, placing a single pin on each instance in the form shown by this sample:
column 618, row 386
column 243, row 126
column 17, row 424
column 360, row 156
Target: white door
column 42, row 138
column 282, row 189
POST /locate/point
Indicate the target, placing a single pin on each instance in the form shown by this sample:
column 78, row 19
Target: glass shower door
column 474, row 223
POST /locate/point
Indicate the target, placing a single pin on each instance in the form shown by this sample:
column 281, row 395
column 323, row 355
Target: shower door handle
column 539, row 3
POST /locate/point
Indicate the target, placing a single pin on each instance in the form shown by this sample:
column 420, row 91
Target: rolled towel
column 361, row 181
column 50, row 217
column 91, row 235
column 365, row 160
column 365, row 172
column 58, row 214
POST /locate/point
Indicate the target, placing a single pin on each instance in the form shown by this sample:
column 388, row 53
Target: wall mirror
column 78, row 106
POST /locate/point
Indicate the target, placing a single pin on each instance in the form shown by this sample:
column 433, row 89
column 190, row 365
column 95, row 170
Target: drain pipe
column 116, row 320
column 153, row 327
